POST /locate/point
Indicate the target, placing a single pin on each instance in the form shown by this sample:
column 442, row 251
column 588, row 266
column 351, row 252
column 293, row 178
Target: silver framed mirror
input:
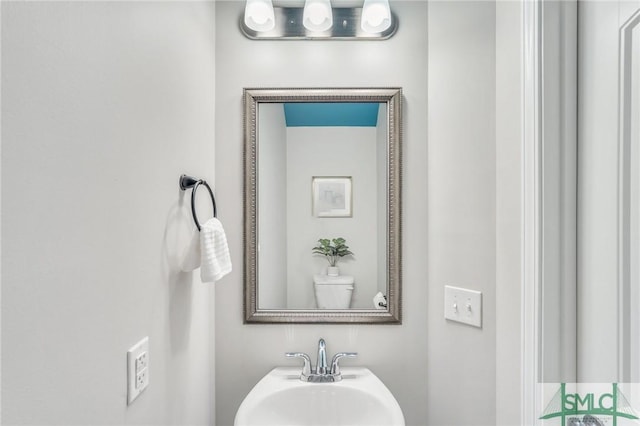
column 322, row 205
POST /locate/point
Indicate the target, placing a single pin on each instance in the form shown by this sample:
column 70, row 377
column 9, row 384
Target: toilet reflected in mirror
column 333, row 292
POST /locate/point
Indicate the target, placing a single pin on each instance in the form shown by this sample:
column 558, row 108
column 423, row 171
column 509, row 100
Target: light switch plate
column 463, row 305
column 137, row 369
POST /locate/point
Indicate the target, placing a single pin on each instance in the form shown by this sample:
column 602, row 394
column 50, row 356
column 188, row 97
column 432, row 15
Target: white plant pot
column 333, row 271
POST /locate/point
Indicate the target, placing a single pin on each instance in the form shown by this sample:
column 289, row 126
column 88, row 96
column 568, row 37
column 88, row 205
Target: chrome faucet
column 321, row 364
column 321, row 374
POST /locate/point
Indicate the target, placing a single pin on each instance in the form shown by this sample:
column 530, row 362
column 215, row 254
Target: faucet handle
column 306, row 368
column 335, row 368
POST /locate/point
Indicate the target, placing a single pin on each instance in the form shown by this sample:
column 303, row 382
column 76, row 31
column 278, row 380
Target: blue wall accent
column 311, row 114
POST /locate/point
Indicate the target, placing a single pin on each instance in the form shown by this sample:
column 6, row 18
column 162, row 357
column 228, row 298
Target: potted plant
column 332, row 250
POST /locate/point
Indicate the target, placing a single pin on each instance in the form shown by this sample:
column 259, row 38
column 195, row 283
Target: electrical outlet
column 141, row 362
column 137, row 369
column 142, row 379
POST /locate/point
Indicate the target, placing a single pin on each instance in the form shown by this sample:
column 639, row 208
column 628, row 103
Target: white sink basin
column 282, row 399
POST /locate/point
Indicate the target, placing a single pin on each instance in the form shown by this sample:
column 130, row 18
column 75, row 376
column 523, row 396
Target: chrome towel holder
column 187, row 182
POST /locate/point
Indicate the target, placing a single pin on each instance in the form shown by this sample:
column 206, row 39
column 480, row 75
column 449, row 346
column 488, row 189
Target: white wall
column 382, row 158
column 461, row 218
column 508, row 212
column 398, row 354
column 272, row 224
column 287, row 225
column 331, row 151
column 104, row 105
column 440, row 372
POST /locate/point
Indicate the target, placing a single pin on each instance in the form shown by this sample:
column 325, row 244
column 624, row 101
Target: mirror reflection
column 322, row 203
column 322, row 185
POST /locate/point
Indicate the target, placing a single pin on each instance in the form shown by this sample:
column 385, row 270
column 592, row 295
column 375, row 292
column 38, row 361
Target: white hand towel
column 215, row 259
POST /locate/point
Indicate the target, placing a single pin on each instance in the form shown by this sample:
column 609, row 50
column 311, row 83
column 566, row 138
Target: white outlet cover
column 463, row 305
column 137, row 369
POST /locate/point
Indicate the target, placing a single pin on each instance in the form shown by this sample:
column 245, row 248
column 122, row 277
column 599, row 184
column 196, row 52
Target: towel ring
column 187, row 182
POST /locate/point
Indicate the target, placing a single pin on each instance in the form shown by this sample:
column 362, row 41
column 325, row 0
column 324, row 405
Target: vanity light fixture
column 376, row 16
column 317, row 15
column 317, row 20
column 259, row 16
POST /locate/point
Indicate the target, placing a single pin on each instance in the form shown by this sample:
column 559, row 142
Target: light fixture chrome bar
column 346, row 26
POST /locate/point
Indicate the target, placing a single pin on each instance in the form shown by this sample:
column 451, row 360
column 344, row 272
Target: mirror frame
column 392, row 97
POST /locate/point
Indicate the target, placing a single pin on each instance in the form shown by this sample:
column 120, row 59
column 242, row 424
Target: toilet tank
column 333, row 292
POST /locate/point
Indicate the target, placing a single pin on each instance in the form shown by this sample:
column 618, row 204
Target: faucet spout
column 321, row 365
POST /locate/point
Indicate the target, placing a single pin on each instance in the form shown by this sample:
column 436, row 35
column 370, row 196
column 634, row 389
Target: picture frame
column 332, row 196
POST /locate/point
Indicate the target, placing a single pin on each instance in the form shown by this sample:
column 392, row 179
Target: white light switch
column 463, row 305
column 137, row 369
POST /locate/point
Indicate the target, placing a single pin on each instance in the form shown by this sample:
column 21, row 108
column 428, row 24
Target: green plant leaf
column 332, row 249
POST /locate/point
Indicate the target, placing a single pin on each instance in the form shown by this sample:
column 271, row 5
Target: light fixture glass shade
column 376, row 16
column 258, row 15
column 317, row 15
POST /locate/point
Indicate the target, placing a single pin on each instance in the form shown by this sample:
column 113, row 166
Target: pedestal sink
column 282, row 399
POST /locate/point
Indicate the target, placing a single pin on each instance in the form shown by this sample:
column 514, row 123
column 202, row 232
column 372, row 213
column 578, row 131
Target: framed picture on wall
column 331, row 196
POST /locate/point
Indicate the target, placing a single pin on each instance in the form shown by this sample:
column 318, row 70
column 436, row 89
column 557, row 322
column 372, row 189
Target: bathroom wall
column 331, row 151
column 104, row 105
column 295, row 155
column 444, row 58
column 273, row 218
column 462, row 209
column 509, row 77
column 382, row 134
